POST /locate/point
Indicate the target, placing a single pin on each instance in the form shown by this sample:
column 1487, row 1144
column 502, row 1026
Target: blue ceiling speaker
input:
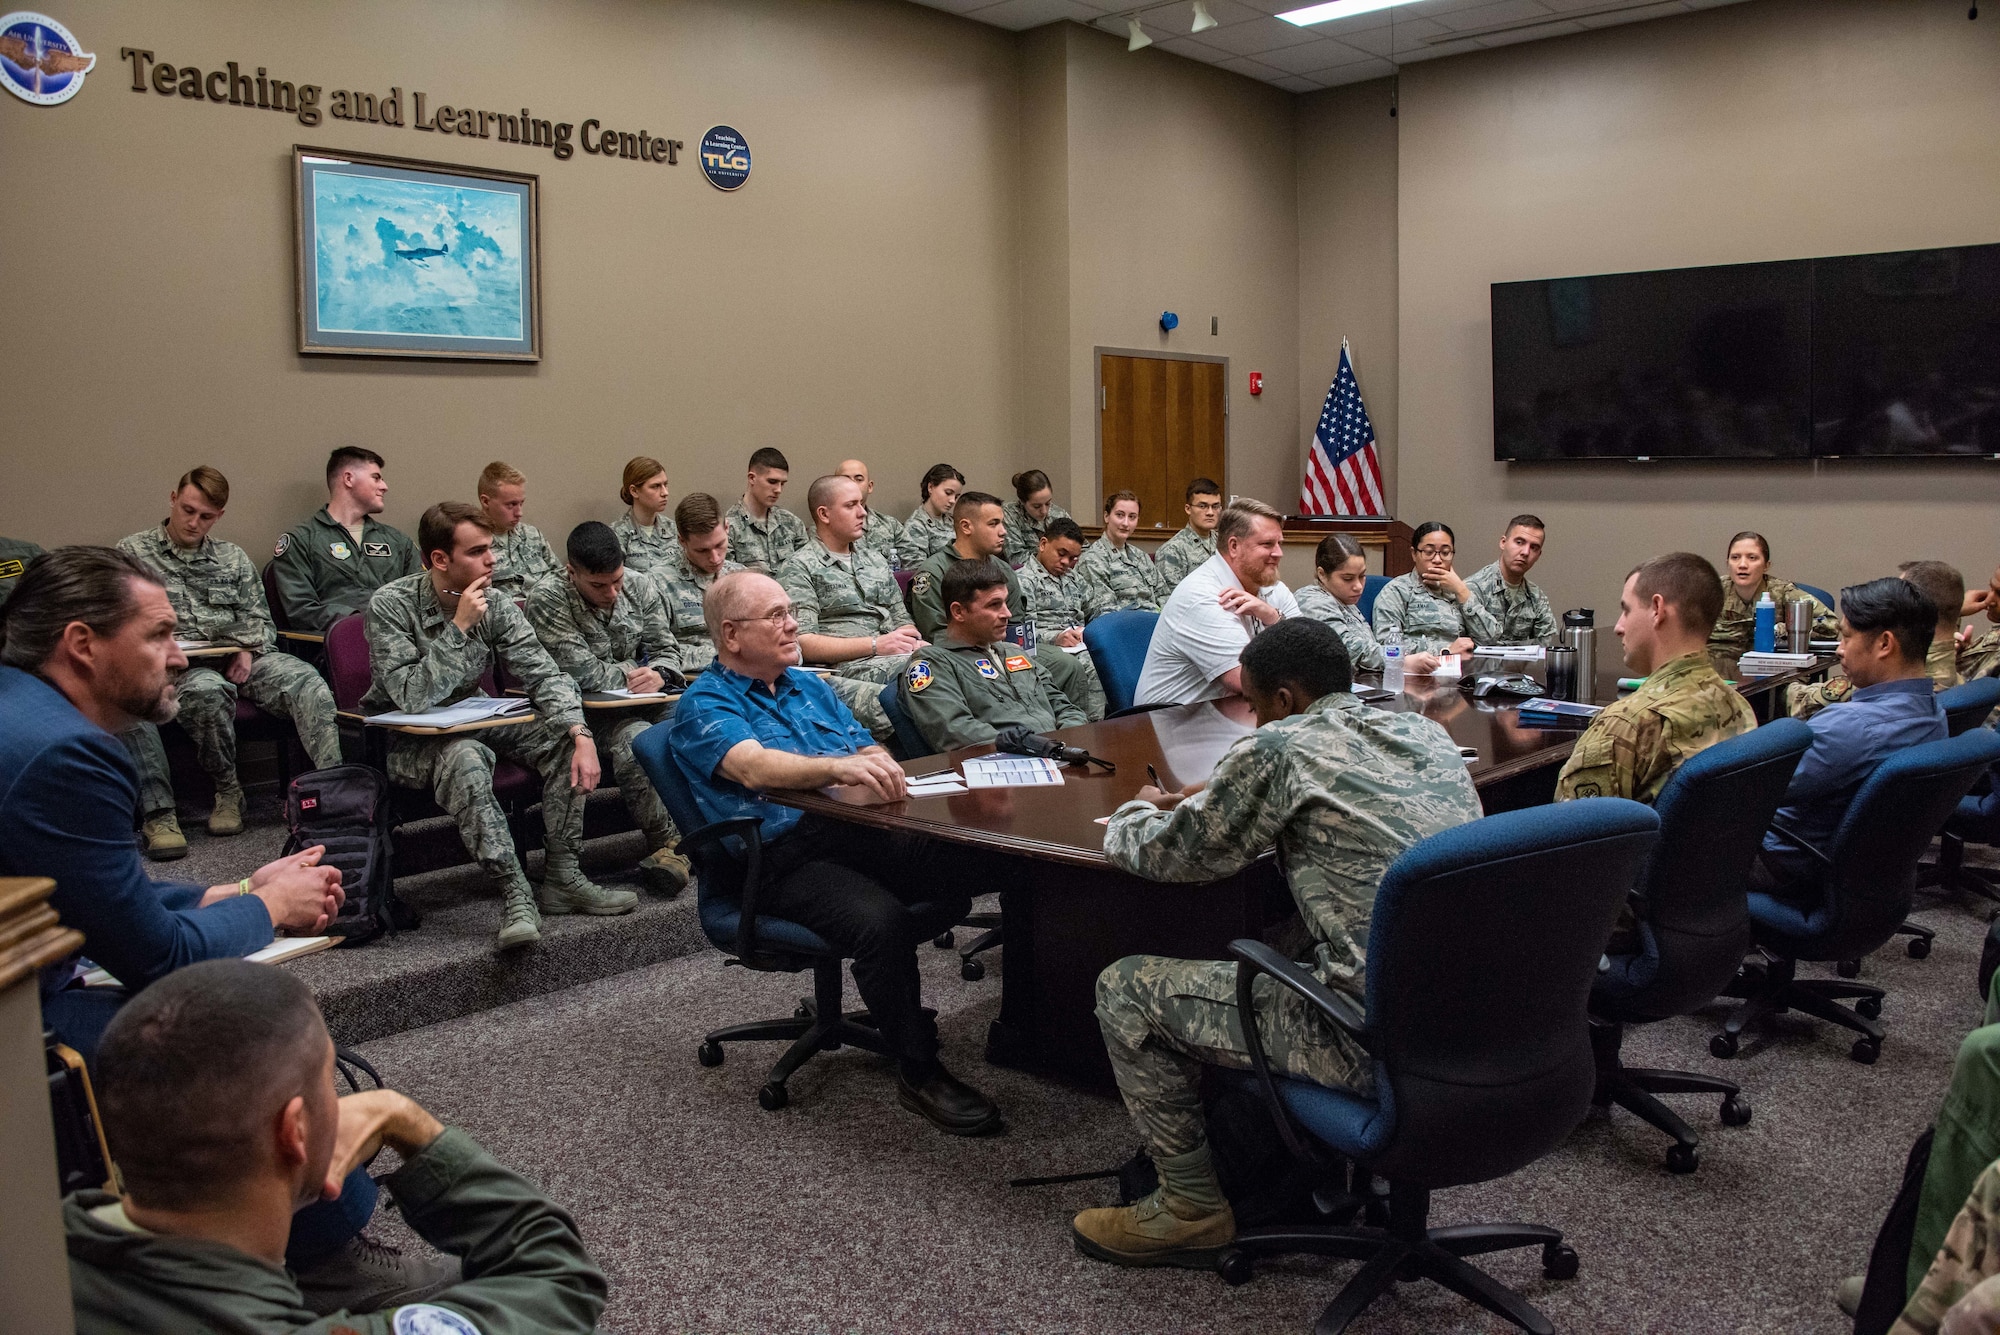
column 1169, row 322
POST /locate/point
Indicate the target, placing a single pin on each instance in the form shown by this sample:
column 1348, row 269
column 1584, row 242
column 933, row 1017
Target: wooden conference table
column 1069, row 912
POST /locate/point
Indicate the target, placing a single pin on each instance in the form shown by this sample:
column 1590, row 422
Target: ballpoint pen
column 1154, row 775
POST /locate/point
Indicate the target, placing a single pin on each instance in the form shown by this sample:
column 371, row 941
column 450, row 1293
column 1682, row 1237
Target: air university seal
column 40, row 60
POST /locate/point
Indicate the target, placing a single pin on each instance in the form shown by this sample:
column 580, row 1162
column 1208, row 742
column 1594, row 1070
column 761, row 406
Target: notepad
column 1545, row 705
column 622, row 694
column 474, row 709
column 278, row 952
column 1523, row 653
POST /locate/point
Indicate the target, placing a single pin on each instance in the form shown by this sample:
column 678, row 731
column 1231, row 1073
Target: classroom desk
column 196, row 652
column 1074, row 912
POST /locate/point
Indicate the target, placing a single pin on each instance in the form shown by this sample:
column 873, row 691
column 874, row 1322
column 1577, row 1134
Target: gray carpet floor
column 844, row 1213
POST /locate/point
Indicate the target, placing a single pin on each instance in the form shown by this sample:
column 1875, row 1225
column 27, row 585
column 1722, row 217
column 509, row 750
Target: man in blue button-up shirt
column 755, row 722
column 1885, row 631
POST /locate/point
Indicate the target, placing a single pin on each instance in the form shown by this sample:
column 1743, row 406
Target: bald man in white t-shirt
column 1221, row 605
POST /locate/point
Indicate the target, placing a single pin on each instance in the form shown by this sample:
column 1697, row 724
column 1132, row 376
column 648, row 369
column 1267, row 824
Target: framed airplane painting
column 400, row 258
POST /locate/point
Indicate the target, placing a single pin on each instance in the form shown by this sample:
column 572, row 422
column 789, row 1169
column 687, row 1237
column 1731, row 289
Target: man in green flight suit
column 969, row 684
column 331, row 565
column 219, row 598
column 981, row 534
column 612, row 631
column 1342, row 790
column 15, row 553
column 849, row 606
column 216, row 1096
column 431, row 636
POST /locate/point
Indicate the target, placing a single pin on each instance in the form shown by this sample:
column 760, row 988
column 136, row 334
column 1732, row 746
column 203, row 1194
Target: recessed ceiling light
column 1338, row 9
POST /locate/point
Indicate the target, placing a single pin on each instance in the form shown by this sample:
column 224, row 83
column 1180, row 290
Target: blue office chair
column 1481, row 952
column 1818, row 593
column 1977, row 820
column 1967, row 705
column 910, row 741
column 1117, row 642
column 1862, row 892
column 728, row 857
column 1694, row 920
column 1371, row 586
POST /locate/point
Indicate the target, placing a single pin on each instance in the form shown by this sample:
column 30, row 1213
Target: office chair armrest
column 1801, row 841
column 751, row 831
column 1253, row 958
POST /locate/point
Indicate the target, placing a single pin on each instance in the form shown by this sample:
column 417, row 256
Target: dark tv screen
column 1906, row 353
column 1710, row 363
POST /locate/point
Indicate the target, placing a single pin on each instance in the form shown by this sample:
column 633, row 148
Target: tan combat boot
column 665, row 871
column 1185, row 1222
column 564, row 889
column 227, row 816
column 164, row 840
column 520, row 920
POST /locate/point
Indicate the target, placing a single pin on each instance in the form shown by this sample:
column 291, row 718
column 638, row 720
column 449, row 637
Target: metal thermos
column 1580, row 633
column 1562, row 683
column 1798, row 625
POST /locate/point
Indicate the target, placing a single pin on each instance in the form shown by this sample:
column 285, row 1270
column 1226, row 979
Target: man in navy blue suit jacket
column 86, row 650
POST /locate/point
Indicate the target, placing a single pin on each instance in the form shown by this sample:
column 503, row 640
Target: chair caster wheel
column 1848, row 968
column 1869, row 1008
column 1919, row 948
column 1683, row 1158
column 709, row 1053
column 1235, row 1267
column 1736, row 1111
column 972, row 971
column 1865, row 1051
column 772, row 1097
column 944, row 940
column 1723, row 1045
column 1559, row 1260
column 802, row 1011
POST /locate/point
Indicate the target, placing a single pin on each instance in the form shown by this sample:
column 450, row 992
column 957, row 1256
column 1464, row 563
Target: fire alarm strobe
column 1256, row 382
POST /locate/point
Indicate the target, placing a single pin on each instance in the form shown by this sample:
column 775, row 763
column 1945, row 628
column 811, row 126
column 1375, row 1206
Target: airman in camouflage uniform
column 647, row 548
column 767, row 543
column 1055, row 604
column 1364, row 651
column 1737, row 625
column 1962, row 1274
column 522, row 559
column 217, row 596
column 1804, row 699
column 682, row 587
column 1980, row 657
column 15, row 553
column 323, row 574
column 924, row 535
column 598, row 647
column 1634, row 746
column 1120, row 578
column 884, row 534
column 420, row 659
column 1503, row 613
column 855, row 596
column 961, row 694
column 1430, row 619
column 1180, row 554
column 1342, row 790
column 1024, row 531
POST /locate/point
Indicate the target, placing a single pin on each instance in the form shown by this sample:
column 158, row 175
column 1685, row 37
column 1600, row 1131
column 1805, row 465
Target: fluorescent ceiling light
column 1338, row 9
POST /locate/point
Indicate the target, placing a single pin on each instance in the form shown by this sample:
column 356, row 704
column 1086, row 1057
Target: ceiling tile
column 1514, row 36
column 1257, row 35
column 1251, row 66
column 1493, row 15
column 955, row 6
column 1633, row 14
column 1433, row 50
column 1191, row 47
column 1321, row 55
column 1293, row 83
column 1021, row 14
column 1359, row 72
column 1405, row 33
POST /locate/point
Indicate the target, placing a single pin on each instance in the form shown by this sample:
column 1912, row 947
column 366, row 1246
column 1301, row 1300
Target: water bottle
column 1764, row 639
column 1392, row 660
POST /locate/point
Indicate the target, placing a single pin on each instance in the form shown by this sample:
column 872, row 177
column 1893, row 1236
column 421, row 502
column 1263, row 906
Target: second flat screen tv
column 1711, row 363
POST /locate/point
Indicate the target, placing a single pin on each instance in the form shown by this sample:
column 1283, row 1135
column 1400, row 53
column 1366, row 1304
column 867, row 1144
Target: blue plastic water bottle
column 1764, row 639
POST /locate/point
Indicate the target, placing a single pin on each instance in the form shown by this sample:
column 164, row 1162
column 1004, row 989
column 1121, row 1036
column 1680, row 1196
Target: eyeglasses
column 1434, row 552
column 776, row 617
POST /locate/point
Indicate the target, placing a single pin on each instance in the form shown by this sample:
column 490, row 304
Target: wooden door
column 1163, row 423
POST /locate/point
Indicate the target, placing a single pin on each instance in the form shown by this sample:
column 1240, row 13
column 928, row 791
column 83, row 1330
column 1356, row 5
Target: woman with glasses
column 1428, row 605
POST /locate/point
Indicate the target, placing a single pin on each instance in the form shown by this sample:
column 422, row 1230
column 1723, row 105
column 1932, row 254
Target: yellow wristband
column 243, row 886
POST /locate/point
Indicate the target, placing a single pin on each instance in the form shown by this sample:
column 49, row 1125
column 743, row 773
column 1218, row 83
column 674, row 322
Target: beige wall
column 1773, row 130
column 857, row 296
column 1347, row 258
column 1181, row 197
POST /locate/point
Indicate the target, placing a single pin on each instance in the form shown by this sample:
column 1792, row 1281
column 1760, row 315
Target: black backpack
column 346, row 808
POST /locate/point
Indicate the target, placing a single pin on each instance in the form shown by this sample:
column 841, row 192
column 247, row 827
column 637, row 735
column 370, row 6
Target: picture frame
column 399, row 257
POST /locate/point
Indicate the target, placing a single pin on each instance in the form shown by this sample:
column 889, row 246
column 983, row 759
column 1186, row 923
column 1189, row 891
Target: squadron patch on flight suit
column 921, row 584
column 284, row 545
column 920, row 676
column 341, row 551
column 986, row 668
column 374, row 549
column 1020, row 663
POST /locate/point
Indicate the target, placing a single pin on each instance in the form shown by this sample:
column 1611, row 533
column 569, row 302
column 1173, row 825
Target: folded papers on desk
column 284, row 948
column 474, row 709
column 1011, row 772
column 1520, row 653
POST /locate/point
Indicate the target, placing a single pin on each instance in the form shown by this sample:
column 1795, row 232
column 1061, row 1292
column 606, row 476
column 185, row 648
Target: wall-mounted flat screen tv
column 1860, row 355
column 1706, row 363
column 1906, row 353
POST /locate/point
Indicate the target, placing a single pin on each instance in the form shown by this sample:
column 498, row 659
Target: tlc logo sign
column 725, row 158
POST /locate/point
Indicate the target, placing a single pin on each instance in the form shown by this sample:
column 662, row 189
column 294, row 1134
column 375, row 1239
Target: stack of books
column 1766, row 665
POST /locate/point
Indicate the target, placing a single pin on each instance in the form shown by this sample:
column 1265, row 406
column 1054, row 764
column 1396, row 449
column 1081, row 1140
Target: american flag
column 1343, row 472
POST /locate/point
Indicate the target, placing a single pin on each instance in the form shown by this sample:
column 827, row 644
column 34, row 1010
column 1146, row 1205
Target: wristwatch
column 582, row 730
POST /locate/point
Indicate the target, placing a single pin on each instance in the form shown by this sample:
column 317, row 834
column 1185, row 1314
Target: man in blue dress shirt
column 87, row 650
column 754, row 722
column 1885, row 631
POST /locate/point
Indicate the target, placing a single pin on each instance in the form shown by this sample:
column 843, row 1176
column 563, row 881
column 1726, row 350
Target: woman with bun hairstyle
column 645, row 530
column 929, row 528
column 1028, row 516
